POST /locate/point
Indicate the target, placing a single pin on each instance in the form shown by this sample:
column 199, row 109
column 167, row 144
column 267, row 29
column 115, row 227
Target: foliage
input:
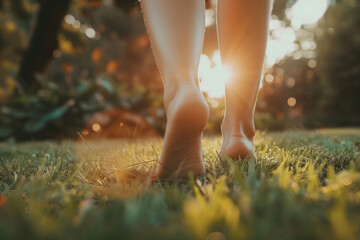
column 15, row 19
column 339, row 60
column 324, row 83
column 86, row 76
column 291, row 79
column 58, row 111
column 303, row 185
column 53, row 110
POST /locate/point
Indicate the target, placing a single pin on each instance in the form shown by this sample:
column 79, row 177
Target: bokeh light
column 96, row 127
column 282, row 40
column 291, row 101
column 269, row 78
column 312, row 63
column 90, row 32
column 281, row 43
column 69, row 19
column 306, row 12
column 290, row 82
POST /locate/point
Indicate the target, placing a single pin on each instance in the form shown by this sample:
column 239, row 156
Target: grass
column 303, row 185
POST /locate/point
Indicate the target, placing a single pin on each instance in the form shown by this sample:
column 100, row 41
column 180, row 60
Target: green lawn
column 303, row 185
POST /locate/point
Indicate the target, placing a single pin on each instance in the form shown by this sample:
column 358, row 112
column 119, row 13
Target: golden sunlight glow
column 213, row 75
column 307, row 12
column 282, row 42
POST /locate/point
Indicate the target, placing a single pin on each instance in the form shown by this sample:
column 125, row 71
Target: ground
column 303, row 185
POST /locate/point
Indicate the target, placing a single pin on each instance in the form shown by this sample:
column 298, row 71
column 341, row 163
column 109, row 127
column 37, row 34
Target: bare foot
column 237, row 139
column 187, row 115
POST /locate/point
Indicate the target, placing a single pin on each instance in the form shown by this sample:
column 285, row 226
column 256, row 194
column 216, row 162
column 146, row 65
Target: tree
column 338, row 41
column 43, row 40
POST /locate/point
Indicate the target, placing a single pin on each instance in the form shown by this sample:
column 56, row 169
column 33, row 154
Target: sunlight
column 282, row 40
column 210, row 15
column 307, row 12
column 213, row 75
column 281, row 43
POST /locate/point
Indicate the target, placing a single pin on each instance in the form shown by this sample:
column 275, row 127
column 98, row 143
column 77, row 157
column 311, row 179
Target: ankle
column 179, row 76
column 175, row 87
column 238, row 127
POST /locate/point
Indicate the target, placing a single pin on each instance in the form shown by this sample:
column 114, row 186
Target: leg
column 242, row 32
column 176, row 30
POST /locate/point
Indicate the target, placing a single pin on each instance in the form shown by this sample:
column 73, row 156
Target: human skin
column 242, row 34
column 176, row 31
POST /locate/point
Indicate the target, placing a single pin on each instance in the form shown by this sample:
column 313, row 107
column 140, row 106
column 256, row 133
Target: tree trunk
column 43, row 40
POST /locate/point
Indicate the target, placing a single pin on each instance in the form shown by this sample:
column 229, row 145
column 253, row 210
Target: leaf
column 83, row 87
column 55, row 114
column 38, row 124
column 34, row 125
column 107, row 85
column 46, row 83
column 17, row 113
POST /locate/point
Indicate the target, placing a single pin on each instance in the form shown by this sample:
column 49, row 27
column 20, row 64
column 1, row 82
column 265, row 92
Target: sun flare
column 282, row 42
column 213, row 75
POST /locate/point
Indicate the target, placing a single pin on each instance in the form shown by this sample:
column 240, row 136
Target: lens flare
column 213, row 75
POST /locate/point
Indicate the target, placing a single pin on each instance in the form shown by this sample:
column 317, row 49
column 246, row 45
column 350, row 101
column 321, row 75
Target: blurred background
column 85, row 67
